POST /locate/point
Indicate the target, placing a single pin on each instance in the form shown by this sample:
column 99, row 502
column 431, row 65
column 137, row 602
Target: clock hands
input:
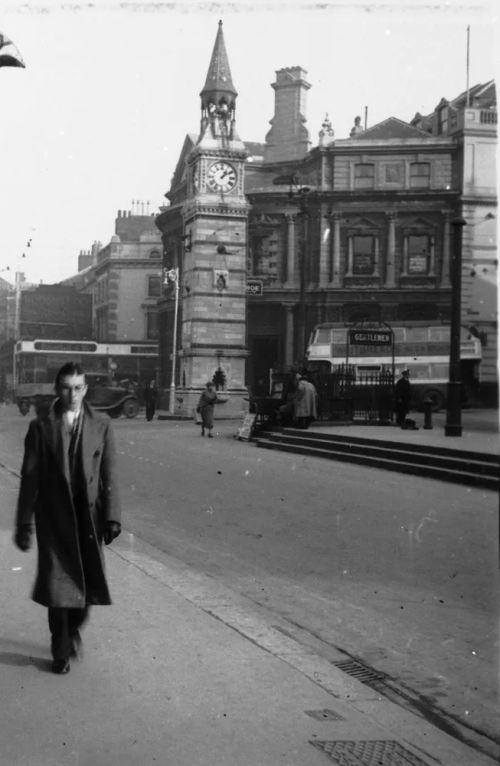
column 221, row 175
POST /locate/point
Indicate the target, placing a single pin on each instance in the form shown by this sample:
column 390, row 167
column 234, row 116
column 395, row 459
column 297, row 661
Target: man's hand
column 22, row 537
column 111, row 530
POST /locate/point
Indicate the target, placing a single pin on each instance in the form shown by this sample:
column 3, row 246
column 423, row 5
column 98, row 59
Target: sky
column 98, row 117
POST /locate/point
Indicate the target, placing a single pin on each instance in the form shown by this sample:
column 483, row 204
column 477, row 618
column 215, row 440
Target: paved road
column 393, row 570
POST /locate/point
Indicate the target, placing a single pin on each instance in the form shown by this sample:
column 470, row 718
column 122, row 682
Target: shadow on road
column 20, row 659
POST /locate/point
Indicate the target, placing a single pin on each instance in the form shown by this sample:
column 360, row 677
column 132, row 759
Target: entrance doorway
column 264, row 356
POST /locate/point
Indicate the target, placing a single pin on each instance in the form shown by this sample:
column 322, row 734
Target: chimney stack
column 288, row 138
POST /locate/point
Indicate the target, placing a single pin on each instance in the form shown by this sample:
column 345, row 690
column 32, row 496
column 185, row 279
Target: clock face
column 221, row 176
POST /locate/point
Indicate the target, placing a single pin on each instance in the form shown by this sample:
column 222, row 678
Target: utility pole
column 173, row 276
column 453, row 426
column 303, row 253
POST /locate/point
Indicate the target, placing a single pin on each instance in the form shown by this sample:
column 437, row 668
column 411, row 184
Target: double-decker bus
column 114, row 371
column 420, row 347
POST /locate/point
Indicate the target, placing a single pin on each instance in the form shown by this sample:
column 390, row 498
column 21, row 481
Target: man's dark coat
column 69, row 532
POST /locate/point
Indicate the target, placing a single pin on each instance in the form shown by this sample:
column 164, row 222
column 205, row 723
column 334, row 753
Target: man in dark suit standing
column 402, row 398
column 69, row 485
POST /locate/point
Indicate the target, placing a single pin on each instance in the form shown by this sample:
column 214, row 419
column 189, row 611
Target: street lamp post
column 453, row 426
column 173, row 276
column 296, row 189
column 304, row 213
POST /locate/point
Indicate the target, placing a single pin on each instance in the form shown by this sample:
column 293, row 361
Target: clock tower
column 213, row 325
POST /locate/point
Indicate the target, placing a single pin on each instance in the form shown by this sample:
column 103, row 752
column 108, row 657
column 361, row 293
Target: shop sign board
column 255, row 287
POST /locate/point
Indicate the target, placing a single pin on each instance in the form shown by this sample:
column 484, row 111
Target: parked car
column 103, row 394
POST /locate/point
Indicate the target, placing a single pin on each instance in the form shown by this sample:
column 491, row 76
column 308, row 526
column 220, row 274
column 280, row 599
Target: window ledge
column 410, row 280
column 357, row 280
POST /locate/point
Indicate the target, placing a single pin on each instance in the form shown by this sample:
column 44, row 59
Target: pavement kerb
column 361, row 706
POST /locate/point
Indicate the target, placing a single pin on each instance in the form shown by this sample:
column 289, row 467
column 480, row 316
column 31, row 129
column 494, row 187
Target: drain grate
column 379, row 752
column 324, row 715
column 360, row 672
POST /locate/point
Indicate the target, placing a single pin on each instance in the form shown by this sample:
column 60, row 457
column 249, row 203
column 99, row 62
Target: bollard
column 427, row 413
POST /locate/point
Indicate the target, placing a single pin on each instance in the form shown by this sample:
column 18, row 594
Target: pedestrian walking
column 70, row 488
column 305, row 401
column 402, row 398
column 206, row 409
column 150, row 396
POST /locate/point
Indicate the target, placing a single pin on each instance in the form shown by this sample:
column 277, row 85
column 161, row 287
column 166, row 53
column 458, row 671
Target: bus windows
column 418, row 372
column 439, row 371
column 417, row 334
column 439, row 334
column 323, row 335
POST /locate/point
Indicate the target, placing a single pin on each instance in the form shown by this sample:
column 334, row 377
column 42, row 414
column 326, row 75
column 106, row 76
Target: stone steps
column 458, row 466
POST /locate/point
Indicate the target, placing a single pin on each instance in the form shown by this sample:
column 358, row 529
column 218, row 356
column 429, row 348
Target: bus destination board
column 370, row 338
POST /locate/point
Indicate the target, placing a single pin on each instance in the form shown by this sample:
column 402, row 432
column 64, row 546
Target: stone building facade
column 125, row 280
column 471, row 121
column 351, row 228
column 357, row 229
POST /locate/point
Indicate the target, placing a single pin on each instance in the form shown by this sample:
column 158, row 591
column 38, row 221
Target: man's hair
column 70, row 368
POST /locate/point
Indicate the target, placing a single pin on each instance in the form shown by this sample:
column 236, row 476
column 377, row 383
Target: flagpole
column 171, row 404
column 467, row 66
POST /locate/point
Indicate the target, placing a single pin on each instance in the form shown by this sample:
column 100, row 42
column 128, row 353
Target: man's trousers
column 64, row 626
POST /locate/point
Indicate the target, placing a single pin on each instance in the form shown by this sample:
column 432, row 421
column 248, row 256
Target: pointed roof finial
column 219, row 84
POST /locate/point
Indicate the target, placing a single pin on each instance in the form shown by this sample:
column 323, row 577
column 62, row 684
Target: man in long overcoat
column 69, row 485
column 402, row 397
column 305, row 401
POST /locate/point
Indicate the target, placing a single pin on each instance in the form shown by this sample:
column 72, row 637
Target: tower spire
column 219, row 95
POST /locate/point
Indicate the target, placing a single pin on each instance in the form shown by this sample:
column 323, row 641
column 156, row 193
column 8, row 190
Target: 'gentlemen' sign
column 370, row 338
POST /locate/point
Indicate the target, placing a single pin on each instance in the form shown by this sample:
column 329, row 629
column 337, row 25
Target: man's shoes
column 60, row 667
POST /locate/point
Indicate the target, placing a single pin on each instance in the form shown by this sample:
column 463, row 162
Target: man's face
column 72, row 389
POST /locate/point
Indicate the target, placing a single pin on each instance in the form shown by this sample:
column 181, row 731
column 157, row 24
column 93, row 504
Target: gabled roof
column 391, row 128
column 484, row 94
column 180, row 168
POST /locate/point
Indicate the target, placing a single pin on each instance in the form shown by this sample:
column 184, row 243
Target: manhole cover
column 377, row 752
column 324, row 715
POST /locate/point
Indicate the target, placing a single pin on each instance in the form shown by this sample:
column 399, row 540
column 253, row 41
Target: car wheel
column 115, row 413
column 130, row 408
column 436, row 397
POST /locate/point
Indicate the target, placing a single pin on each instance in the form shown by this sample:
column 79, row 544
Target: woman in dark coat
column 150, row 394
column 206, row 409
